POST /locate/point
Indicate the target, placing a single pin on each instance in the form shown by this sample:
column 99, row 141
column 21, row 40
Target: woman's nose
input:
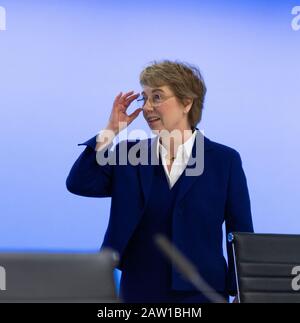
column 147, row 106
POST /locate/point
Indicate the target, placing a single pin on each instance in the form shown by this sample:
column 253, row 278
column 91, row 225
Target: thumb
column 134, row 114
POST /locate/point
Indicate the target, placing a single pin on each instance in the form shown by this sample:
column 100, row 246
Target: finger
column 126, row 102
column 132, row 98
column 123, row 101
column 122, row 98
column 126, row 95
column 118, row 97
column 134, row 114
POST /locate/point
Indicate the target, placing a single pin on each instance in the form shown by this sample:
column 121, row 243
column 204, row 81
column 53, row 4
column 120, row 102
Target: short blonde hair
column 185, row 80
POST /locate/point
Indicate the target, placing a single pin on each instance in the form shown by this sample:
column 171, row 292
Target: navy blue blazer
column 203, row 203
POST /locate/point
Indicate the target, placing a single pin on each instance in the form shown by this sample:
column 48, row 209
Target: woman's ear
column 188, row 105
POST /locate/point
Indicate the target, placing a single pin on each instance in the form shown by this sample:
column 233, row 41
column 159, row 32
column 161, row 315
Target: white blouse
column 184, row 152
column 182, row 157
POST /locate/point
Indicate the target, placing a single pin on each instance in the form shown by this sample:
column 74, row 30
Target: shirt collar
column 186, row 147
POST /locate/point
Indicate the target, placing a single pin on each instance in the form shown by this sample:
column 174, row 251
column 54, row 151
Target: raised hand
column 119, row 119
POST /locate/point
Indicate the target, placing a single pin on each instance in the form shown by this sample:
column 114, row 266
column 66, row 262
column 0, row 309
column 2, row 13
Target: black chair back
column 267, row 267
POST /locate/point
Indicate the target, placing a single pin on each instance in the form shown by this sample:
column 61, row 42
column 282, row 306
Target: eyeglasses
column 155, row 100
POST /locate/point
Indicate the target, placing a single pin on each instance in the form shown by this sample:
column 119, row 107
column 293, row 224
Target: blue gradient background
column 63, row 62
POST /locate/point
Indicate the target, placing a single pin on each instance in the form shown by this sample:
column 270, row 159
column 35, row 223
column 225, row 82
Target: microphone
column 185, row 267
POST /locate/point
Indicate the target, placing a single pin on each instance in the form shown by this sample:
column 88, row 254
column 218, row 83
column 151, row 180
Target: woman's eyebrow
column 155, row 90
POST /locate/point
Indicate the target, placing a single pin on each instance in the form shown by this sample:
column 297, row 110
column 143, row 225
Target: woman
column 161, row 197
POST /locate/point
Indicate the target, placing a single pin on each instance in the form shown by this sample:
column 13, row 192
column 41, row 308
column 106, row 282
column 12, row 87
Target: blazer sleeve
column 87, row 177
column 238, row 216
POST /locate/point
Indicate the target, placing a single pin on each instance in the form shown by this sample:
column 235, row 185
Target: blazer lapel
column 147, row 171
column 195, row 167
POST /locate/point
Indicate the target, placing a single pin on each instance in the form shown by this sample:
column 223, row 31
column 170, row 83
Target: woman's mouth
column 153, row 120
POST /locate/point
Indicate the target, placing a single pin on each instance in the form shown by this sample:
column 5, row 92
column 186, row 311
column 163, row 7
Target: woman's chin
column 156, row 129
column 155, row 125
